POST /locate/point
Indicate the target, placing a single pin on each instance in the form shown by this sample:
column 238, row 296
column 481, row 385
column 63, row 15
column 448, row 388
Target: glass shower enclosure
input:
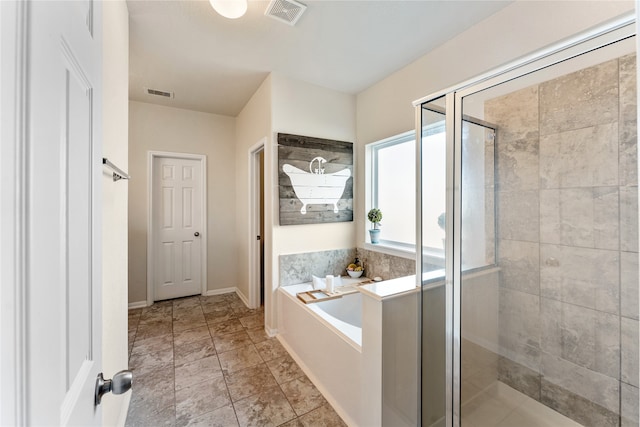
column 529, row 234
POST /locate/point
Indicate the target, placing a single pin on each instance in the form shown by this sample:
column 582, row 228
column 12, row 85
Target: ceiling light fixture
column 231, row 9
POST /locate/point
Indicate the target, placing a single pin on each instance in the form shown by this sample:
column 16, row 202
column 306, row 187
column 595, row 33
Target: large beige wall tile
column 518, row 215
column 629, row 284
column 515, row 114
column 520, row 265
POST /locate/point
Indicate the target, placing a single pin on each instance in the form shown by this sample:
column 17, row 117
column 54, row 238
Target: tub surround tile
column 386, row 266
column 298, row 268
column 520, row 266
column 190, row 373
column 580, row 99
column 200, row 398
column 221, row 417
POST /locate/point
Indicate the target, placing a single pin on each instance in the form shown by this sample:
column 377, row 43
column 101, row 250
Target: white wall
column 385, row 109
column 159, row 128
column 304, row 109
column 115, row 82
column 253, row 124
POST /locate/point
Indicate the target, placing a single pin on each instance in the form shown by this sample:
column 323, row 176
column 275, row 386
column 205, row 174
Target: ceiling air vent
column 156, row 92
column 287, row 11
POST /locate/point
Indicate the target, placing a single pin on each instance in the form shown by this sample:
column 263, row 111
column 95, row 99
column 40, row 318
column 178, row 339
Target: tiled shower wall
column 567, row 207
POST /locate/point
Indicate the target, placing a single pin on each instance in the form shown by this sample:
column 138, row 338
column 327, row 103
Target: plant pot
column 375, row 235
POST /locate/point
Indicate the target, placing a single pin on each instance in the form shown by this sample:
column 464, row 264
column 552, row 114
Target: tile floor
column 206, row 361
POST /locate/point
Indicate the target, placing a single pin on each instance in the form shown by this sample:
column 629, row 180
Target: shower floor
column 502, row 406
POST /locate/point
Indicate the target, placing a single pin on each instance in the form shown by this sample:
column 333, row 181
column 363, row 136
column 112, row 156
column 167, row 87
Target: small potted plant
column 375, row 216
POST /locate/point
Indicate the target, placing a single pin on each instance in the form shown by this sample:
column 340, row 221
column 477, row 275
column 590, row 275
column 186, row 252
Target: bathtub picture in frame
column 315, row 179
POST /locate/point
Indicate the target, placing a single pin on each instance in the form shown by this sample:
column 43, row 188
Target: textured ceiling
column 215, row 64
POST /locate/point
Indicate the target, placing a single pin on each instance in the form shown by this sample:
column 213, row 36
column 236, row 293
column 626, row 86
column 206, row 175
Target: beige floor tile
column 324, row 416
column 221, row 417
column 227, row 327
column 257, row 335
column 197, row 371
column 241, row 358
column 253, row 321
column 190, row 335
column 219, row 315
column 284, row 369
column 149, row 362
column 303, row 395
column 140, row 418
column 249, row 381
column 200, row 398
column 194, row 351
column 232, row 341
column 269, row 408
column 152, row 345
column 271, row 349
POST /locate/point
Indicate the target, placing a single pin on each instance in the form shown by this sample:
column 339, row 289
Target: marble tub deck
column 207, row 361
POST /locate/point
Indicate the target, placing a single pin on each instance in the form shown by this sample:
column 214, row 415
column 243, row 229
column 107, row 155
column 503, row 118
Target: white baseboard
column 244, row 299
column 271, row 332
column 211, row 292
column 329, row 398
column 138, row 304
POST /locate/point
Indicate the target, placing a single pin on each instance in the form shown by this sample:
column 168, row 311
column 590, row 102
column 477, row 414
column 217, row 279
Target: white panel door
column 177, row 217
column 64, row 204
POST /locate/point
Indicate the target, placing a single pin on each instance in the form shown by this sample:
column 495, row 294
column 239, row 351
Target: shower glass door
column 549, row 245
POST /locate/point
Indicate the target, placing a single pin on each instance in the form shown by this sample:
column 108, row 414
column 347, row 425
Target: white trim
column 151, row 155
column 137, row 304
column 337, row 405
column 212, row 292
column 244, row 299
column 124, row 409
column 390, row 250
column 13, row 213
column 254, row 222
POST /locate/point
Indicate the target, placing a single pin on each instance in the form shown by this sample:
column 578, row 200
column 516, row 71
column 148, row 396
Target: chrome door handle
column 121, row 383
column 196, row 234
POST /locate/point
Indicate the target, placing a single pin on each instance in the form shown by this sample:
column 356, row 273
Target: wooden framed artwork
column 315, row 179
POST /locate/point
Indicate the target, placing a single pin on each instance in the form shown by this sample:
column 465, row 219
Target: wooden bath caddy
column 316, row 296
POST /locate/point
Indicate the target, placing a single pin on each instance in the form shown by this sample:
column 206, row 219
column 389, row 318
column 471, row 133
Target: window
column 393, row 188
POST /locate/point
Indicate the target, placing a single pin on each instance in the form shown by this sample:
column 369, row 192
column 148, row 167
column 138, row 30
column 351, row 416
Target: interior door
column 177, row 224
column 63, row 113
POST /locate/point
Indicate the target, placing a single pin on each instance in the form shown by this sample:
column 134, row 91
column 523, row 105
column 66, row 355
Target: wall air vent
column 156, row 92
column 287, row 11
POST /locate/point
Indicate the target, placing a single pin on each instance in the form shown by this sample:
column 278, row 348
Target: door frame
column 151, row 156
column 254, row 221
column 14, row 161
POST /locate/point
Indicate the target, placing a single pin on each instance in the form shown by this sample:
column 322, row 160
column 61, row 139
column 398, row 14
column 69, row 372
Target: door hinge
column 257, row 237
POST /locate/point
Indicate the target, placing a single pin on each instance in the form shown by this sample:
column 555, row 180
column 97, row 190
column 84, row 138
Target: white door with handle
column 59, row 109
column 177, row 226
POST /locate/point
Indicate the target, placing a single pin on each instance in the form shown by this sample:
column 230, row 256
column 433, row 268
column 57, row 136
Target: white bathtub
column 326, row 340
column 342, row 315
